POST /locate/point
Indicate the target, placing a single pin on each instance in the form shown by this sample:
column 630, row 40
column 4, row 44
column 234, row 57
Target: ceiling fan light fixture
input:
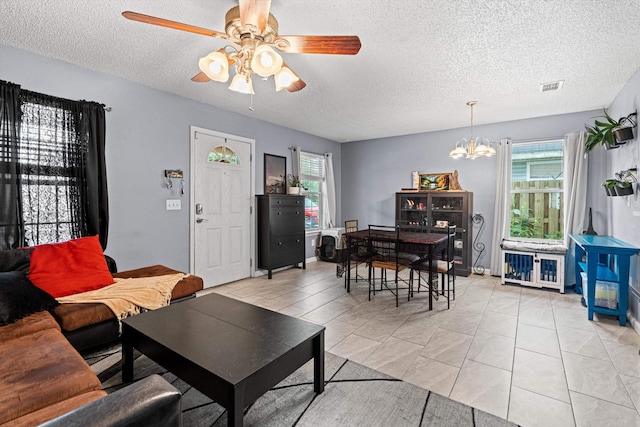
column 265, row 61
column 242, row 83
column 285, row 78
column 215, row 66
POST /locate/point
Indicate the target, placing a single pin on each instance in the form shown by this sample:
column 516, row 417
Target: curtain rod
column 310, row 152
column 520, row 141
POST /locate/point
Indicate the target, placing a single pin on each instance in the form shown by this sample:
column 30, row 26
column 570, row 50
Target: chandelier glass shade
column 474, row 146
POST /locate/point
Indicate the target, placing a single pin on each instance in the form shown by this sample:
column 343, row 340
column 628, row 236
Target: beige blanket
column 127, row 297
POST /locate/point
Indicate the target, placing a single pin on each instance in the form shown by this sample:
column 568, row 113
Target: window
column 223, row 154
column 52, row 158
column 312, row 176
column 537, row 207
column 48, row 150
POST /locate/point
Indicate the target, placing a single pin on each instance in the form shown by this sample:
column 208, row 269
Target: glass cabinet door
column 412, row 210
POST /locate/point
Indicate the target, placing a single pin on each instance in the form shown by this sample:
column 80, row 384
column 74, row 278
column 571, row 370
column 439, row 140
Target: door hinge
column 250, row 210
column 250, row 262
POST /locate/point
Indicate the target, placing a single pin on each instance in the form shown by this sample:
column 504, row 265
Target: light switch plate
column 174, row 205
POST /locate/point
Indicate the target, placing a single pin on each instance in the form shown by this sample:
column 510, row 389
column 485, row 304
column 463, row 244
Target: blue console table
column 616, row 269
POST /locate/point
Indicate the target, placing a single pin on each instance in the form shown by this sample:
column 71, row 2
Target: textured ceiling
column 420, row 61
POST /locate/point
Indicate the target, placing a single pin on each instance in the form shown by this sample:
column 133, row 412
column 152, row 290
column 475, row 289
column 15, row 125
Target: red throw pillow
column 69, row 268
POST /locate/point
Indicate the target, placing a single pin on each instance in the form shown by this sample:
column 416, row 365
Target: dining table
column 411, row 242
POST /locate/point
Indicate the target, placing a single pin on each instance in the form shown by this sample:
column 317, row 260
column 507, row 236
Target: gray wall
column 148, row 132
column 373, row 171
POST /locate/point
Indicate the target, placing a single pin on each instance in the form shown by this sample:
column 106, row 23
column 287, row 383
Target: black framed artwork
column 275, row 171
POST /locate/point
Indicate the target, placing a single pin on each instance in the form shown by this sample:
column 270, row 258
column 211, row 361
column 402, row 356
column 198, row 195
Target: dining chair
column 447, row 264
column 443, row 263
column 385, row 242
column 359, row 250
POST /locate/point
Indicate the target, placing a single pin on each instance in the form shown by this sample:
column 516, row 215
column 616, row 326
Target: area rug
column 354, row 396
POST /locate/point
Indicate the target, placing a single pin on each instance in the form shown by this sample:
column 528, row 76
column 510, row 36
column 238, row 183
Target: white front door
column 221, row 206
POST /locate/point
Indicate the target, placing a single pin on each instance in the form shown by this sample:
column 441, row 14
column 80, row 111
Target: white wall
column 616, row 214
column 148, row 132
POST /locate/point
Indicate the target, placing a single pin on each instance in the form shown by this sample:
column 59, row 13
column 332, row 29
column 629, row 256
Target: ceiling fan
column 253, row 33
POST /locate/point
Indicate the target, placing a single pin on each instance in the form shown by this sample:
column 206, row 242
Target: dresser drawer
column 276, row 201
column 286, row 220
column 287, row 250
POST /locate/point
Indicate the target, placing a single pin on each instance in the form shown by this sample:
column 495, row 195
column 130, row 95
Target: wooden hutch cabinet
column 430, row 211
column 281, row 238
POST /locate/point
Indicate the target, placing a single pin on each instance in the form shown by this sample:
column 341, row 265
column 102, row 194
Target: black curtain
column 97, row 201
column 11, row 227
column 61, row 180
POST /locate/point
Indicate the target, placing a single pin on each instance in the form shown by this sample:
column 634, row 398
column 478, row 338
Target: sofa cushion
column 15, row 260
column 75, row 316
column 39, row 370
column 52, row 411
column 20, row 298
column 70, row 267
column 28, row 325
column 187, row 286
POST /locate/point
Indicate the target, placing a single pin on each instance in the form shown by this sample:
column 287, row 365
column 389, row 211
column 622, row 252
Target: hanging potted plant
column 294, row 184
column 624, row 188
column 609, row 186
column 624, row 182
column 610, row 133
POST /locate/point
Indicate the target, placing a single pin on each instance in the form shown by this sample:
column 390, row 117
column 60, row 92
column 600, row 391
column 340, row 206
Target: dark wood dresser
column 281, row 238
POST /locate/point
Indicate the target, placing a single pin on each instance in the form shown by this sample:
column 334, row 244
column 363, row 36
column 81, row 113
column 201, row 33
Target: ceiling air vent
column 546, row 87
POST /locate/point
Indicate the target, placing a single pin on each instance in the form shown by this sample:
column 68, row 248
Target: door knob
column 199, row 220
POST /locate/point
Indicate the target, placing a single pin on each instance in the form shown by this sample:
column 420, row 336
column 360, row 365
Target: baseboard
column 258, row 273
column 634, row 308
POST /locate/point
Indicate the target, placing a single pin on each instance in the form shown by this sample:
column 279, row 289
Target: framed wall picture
column 275, row 172
column 435, row 181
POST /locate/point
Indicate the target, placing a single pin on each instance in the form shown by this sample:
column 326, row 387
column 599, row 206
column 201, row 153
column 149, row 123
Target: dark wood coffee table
column 231, row 351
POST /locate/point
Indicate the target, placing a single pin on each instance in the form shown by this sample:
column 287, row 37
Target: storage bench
column 539, row 265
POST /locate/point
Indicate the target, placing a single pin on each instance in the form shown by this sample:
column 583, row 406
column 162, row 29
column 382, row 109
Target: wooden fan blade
column 147, row 19
column 296, row 86
column 332, row 45
column 200, row 78
column 255, row 12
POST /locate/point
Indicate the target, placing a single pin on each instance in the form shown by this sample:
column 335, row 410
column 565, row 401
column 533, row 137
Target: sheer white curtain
column 329, row 193
column 575, row 193
column 503, row 201
column 575, row 182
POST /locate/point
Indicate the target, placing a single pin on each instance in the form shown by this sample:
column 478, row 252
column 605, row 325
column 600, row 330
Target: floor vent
column 546, row 87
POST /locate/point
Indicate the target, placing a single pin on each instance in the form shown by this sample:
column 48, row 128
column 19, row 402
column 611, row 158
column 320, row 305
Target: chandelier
column 474, row 146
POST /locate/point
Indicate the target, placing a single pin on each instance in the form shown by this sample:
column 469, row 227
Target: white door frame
column 192, row 171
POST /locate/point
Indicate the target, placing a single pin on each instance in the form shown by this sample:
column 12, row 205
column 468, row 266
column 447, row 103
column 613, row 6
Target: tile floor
column 527, row 355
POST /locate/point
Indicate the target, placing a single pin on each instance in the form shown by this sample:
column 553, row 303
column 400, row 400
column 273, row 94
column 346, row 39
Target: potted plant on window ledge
column 610, row 133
